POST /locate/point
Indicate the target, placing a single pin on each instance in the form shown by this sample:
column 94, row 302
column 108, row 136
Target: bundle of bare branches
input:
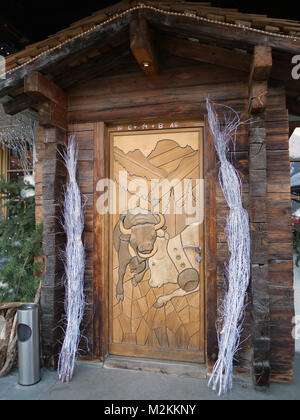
column 238, row 238
column 74, row 261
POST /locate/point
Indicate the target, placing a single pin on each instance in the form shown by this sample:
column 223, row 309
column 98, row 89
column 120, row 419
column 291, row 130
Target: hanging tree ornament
column 238, row 239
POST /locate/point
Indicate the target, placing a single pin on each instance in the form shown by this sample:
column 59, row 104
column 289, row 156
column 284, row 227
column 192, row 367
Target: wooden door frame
column 101, row 256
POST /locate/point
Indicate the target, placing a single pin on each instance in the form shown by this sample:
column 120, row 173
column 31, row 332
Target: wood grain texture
column 171, row 94
column 83, row 99
column 41, row 89
column 260, row 302
column 52, row 293
column 280, row 259
column 157, row 309
column 100, row 250
column 210, row 170
column 142, row 46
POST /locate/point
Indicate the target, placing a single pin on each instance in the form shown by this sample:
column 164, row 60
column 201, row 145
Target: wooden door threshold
column 195, row 370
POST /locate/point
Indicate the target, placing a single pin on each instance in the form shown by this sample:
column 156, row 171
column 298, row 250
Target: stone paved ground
column 93, row 382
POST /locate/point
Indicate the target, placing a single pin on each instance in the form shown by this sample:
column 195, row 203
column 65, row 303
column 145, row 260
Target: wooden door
column 156, row 282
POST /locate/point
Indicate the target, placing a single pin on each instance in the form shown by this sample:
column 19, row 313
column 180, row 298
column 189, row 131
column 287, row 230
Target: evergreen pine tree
column 20, row 243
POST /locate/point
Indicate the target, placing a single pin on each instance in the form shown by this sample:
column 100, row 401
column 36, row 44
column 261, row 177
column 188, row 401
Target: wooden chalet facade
column 146, row 70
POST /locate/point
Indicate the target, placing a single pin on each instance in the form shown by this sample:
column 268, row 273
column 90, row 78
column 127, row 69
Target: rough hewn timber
column 260, row 311
column 142, row 46
column 258, row 81
column 192, row 27
column 18, row 104
column 41, row 89
column 53, row 179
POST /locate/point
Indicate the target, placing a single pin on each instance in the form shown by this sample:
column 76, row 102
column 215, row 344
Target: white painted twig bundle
column 74, row 260
column 238, row 268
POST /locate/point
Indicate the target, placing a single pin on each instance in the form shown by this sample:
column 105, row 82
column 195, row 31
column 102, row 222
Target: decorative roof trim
column 142, row 6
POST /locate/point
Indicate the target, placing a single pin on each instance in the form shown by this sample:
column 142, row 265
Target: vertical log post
column 51, row 178
column 260, row 328
column 52, row 296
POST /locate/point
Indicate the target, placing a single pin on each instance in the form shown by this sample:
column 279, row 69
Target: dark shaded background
column 25, row 21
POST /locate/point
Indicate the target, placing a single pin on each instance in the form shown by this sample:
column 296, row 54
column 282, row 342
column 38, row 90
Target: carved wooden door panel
column 156, row 298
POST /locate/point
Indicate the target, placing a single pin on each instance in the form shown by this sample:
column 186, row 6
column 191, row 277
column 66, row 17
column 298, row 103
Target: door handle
column 198, row 250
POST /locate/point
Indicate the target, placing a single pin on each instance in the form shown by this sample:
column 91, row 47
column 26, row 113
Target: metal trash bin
column 28, row 344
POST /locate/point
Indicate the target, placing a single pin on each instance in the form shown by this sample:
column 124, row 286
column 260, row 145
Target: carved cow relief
column 156, row 283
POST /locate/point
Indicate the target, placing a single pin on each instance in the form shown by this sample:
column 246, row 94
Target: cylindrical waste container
column 28, row 344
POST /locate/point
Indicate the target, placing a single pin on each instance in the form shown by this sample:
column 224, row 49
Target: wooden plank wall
column 280, row 239
column 173, row 93
column 182, row 92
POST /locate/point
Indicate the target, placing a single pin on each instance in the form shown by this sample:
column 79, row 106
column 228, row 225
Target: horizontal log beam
column 174, row 109
column 205, row 53
column 18, row 104
column 41, row 89
column 220, row 56
column 193, row 28
column 53, row 115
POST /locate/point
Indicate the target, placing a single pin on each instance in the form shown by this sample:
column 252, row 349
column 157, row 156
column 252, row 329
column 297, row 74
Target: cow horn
column 123, row 230
column 161, row 221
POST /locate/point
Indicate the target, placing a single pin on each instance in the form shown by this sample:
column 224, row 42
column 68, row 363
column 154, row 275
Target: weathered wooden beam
column 205, row 53
column 11, row 89
column 260, row 308
column 41, row 89
column 53, row 178
column 258, row 96
column 54, row 135
column 258, row 80
column 18, row 104
column 142, row 46
column 261, row 63
column 191, row 27
column 220, row 56
column 260, row 331
column 53, row 115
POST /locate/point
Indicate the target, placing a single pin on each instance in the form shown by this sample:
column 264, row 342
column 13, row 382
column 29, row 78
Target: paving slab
column 94, row 382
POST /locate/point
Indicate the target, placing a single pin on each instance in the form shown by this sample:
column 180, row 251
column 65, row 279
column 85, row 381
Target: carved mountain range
column 168, row 160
